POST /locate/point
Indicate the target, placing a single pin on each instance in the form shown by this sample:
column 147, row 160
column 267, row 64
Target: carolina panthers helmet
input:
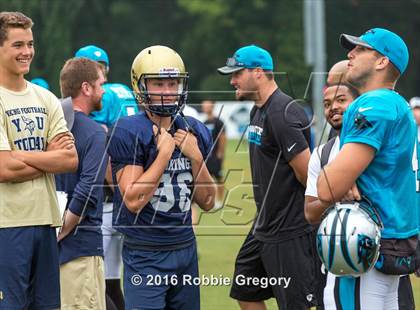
column 348, row 238
column 159, row 62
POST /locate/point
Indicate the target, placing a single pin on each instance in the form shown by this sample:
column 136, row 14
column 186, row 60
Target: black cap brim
column 229, row 69
column 349, row 42
column 68, row 111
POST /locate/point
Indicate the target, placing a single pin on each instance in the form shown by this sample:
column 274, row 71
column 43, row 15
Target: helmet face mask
column 159, row 80
column 348, row 239
column 163, row 95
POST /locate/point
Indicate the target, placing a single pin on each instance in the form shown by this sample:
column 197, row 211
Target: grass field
column 221, row 234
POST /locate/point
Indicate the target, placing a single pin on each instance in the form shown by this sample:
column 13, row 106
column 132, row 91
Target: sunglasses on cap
column 232, row 62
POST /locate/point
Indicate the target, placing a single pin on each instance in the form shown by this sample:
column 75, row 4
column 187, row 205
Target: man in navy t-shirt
column 80, row 239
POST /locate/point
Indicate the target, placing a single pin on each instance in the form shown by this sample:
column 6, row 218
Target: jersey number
column 164, row 197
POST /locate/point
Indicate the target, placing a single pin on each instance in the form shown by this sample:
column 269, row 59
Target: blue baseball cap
column 250, row 57
column 94, row 53
column 384, row 42
column 41, row 82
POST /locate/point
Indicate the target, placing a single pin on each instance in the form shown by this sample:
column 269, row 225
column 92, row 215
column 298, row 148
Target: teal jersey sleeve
column 368, row 121
column 117, row 101
column 416, row 161
column 102, row 116
column 383, row 120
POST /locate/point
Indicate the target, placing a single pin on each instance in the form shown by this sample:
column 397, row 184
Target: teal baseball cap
column 250, row 57
column 384, row 42
column 94, row 53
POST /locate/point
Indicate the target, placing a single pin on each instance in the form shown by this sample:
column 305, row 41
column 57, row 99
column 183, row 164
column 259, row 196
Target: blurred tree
column 355, row 17
column 221, row 27
column 124, row 28
column 206, row 32
column 52, row 34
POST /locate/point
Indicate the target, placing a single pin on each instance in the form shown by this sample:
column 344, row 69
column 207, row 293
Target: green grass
column 220, row 234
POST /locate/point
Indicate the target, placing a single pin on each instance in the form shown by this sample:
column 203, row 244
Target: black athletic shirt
column 215, row 126
column 278, row 131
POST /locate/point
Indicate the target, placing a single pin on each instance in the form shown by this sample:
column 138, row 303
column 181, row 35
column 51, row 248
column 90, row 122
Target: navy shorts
column 161, row 279
column 29, row 270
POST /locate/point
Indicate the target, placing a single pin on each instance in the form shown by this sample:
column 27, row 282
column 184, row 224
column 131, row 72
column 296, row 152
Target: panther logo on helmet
column 348, row 238
column 159, row 62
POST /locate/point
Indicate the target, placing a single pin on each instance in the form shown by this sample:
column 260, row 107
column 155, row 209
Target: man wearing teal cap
column 281, row 242
column 376, row 160
column 250, row 57
column 118, row 100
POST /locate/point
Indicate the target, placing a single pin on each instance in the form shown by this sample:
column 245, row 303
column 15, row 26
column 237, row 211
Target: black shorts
column 293, row 259
column 214, row 165
column 405, row 294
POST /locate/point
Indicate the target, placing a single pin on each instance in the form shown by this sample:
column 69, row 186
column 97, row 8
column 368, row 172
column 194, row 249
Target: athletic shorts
column 214, row 166
column 29, row 269
column 371, row 291
column 286, row 270
column 82, row 283
column 112, row 243
column 405, row 294
column 161, row 279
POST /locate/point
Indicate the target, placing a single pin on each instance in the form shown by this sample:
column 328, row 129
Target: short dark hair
column 76, row 71
column 353, row 91
column 13, row 20
column 392, row 73
column 269, row 74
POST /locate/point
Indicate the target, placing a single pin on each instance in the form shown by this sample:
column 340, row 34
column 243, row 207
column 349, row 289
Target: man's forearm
column 139, row 193
column 108, row 176
column 340, row 176
column 14, row 170
column 57, row 161
column 70, row 222
column 314, row 208
column 221, row 146
column 30, row 174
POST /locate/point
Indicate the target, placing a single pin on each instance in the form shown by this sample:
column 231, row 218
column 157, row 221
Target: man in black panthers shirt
column 217, row 154
column 280, row 243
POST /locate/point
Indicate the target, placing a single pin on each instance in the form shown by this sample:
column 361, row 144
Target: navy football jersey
column 166, row 220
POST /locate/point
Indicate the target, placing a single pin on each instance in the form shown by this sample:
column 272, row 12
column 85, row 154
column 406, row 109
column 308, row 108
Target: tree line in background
column 206, row 32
